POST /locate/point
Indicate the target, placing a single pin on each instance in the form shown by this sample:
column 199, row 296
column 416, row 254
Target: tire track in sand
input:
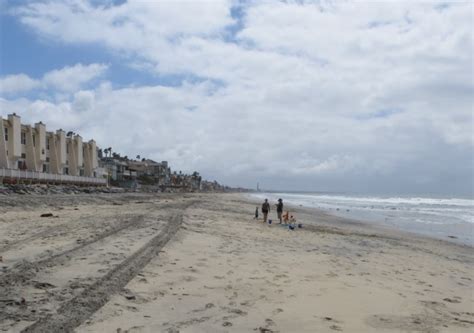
column 26, row 270
column 75, row 311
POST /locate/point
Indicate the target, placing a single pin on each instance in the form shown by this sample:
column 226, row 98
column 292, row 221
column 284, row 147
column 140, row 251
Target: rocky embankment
column 44, row 189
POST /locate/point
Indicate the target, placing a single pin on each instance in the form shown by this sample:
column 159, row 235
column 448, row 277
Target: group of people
column 279, row 208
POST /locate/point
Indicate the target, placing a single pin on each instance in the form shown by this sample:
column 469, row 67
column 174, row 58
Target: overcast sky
column 371, row 97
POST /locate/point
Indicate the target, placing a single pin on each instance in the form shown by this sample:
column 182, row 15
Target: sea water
column 446, row 218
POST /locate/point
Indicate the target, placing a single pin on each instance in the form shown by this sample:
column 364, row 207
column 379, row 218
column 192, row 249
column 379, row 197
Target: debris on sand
column 47, row 215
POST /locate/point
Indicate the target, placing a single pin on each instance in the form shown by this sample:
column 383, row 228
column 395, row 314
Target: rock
column 47, row 215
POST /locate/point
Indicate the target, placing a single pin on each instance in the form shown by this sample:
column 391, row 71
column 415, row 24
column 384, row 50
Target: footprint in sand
column 238, row 312
column 189, row 278
column 335, row 328
column 269, row 322
column 455, row 299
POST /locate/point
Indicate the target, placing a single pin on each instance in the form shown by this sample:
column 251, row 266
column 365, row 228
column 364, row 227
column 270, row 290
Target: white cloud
column 11, row 84
column 72, row 78
column 334, row 95
column 65, row 80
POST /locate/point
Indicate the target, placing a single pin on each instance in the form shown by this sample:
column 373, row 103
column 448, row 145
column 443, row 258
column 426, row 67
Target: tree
column 138, row 157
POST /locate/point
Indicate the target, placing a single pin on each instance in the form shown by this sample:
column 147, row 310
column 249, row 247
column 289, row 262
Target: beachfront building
column 41, row 153
column 158, row 173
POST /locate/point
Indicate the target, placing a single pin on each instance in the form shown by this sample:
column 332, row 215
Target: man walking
column 265, row 210
column 280, row 209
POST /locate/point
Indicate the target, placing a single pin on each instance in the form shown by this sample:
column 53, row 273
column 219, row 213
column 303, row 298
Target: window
column 6, row 133
column 23, row 155
column 67, row 149
column 66, row 171
column 47, row 159
column 45, row 168
column 47, row 143
column 34, row 141
column 23, row 138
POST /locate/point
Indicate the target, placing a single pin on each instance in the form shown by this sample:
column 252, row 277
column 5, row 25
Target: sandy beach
column 201, row 263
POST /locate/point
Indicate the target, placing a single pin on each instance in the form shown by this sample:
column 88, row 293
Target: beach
column 136, row 262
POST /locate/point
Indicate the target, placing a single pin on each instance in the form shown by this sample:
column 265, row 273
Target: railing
column 49, row 177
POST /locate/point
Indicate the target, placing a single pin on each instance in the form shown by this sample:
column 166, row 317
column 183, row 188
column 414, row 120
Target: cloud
column 72, row 78
column 11, row 84
column 300, row 95
column 66, row 79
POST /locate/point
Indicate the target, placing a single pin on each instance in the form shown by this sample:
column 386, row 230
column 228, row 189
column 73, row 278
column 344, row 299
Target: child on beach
column 256, row 213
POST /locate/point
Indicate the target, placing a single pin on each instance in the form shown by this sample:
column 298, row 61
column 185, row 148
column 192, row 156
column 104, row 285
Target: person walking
column 280, row 209
column 265, row 210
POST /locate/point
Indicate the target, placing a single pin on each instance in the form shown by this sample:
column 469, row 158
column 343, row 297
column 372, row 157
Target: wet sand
column 200, row 263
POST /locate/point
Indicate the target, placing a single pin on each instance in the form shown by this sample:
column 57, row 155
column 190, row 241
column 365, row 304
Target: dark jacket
column 280, row 207
column 265, row 207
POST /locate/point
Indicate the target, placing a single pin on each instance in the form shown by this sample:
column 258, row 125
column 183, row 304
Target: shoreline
column 221, row 271
column 415, row 229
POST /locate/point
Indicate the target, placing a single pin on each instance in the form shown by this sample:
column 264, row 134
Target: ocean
column 444, row 218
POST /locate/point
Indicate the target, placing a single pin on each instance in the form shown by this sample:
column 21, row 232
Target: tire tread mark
column 71, row 314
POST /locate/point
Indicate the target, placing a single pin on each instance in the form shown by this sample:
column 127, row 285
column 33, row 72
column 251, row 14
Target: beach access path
column 200, row 263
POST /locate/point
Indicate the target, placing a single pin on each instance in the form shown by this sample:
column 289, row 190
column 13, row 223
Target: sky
column 341, row 96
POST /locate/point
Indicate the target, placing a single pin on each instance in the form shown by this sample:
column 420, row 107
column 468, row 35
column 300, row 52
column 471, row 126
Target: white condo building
column 35, row 150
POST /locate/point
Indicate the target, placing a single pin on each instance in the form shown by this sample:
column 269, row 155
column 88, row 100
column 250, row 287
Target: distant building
column 36, row 150
column 117, row 169
column 158, row 172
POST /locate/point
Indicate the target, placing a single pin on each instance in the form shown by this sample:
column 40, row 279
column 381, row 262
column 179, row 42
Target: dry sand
column 200, row 263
